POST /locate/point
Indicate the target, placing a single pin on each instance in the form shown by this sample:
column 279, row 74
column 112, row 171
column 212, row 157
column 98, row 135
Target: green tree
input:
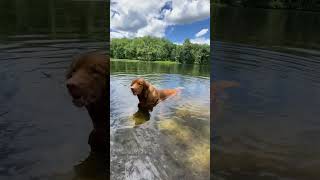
column 186, row 56
column 159, row 49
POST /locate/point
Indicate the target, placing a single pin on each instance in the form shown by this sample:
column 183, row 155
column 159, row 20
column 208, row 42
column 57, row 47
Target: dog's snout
column 131, row 88
column 73, row 89
column 71, row 85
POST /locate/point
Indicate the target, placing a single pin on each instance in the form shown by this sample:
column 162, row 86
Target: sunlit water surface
column 174, row 142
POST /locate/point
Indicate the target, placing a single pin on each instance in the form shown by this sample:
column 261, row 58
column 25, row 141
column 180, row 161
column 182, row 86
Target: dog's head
column 137, row 86
column 87, row 78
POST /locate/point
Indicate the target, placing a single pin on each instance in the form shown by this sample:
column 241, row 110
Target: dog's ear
column 99, row 69
column 102, row 67
column 72, row 67
column 133, row 81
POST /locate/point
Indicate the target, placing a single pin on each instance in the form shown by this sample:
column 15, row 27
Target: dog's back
column 165, row 93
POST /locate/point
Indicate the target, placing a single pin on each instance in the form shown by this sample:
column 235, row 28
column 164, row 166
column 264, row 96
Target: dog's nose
column 71, row 86
column 131, row 88
column 73, row 89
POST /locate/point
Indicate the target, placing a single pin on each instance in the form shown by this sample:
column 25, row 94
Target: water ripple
column 267, row 128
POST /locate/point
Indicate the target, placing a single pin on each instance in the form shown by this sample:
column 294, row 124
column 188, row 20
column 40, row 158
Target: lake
column 268, row 127
column 173, row 141
column 42, row 134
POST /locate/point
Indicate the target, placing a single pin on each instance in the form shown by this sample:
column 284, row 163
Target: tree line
column 159, row 49
column 276, row 4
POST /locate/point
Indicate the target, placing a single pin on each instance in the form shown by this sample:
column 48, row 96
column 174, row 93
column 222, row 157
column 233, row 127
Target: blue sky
column 178, row 33
column 175, row 20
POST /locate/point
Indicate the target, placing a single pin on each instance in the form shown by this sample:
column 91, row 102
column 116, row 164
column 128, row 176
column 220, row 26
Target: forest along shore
column 160, row 49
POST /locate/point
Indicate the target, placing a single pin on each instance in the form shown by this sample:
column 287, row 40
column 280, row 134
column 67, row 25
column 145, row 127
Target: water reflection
column 266, row 130
column 141, row 68
column 268, row 127
column 54, row 18
column 266, row 28
column 43, row 136
column 93, row 167
column 141, row 116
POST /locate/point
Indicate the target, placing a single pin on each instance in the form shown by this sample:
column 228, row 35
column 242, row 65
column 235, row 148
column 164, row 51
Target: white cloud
column 114, row 34
column 200, row 40
column 178, row 43
column 154, row 28
column 202, row 32
column 121, row 34
column 136, row 18
column 188, row 11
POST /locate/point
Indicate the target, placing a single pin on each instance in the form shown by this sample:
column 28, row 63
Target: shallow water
column 268, row 127
column 174, row 142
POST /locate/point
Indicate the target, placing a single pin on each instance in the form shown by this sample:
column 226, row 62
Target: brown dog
column 87, row 84
column 148, row 95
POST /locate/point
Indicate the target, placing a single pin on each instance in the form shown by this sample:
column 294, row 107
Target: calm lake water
column 42, row 134
column 269, row 127
column 173, row 142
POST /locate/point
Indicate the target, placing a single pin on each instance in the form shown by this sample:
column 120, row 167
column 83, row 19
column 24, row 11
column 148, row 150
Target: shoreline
column 136, row 60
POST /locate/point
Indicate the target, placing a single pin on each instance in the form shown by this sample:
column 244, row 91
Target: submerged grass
column 197, row 148
column 199, row 158
column 178, row 131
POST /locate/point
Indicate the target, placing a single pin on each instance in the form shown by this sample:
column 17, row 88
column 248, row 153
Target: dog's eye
column 69, row 75
column 96, row 69
column 71, row 71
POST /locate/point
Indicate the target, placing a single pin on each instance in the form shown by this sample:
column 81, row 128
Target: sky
column 175, row 20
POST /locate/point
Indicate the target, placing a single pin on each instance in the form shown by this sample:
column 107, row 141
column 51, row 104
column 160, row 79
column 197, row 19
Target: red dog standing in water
column 148, row 95
column 86, row 80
